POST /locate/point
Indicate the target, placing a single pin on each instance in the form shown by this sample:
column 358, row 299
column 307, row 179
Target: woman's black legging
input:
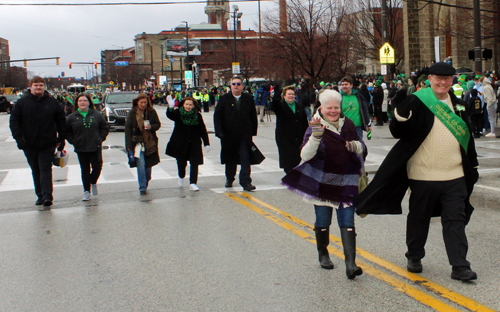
column 88, row 160
column 181, row 168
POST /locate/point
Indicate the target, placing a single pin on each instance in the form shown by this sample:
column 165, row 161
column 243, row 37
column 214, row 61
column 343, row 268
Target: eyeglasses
column 236, row 84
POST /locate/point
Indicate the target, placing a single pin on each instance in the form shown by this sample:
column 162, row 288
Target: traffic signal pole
column 478, row 58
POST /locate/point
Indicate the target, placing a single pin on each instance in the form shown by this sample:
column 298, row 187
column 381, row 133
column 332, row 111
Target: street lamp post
column 236, row 16
column 187, row 46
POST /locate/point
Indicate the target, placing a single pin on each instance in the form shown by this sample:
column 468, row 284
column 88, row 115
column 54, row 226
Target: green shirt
column 84, row 114
column 291, row 105
column 350, row 107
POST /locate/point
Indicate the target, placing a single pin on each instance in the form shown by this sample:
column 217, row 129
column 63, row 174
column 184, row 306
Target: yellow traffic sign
column 387, row 54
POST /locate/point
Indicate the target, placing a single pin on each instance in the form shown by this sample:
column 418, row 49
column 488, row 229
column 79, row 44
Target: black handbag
column 256, row 157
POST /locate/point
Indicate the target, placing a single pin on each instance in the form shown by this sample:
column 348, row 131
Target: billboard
column 177, row 47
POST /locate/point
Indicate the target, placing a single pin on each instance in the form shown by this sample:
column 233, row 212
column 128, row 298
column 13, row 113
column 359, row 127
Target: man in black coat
column 235, row 122
column 38, row 125
column 436, row 158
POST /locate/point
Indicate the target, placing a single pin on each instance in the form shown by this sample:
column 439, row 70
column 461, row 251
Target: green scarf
column 452, row 121
column 291, row 105
column 189, row 118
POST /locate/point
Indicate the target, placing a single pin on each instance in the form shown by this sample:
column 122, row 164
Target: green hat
column 477, row 77
column 322, row 83
column 378, row 83
column 403, row 75
column 380, row 78
column 398, row 76
column 395, row 81
column 462, row 78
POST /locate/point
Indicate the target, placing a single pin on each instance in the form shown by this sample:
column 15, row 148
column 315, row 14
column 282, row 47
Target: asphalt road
column 212, row 250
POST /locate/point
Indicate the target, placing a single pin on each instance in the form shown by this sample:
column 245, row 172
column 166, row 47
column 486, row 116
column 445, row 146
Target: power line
column 116, row 4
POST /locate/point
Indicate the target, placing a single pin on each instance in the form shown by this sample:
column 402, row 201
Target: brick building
column 428, row 25
column 4, row 56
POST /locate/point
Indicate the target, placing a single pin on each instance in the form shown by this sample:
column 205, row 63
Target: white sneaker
column 490, row 135
column 86, row 196
column 181, row 182
column 93, row 188
column 194, row 187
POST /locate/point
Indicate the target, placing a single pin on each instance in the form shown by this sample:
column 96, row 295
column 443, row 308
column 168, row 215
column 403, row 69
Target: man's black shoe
column 144, row 192
column 46, row 205
column 39, row 202
column 463, row 274
column 228, row 183
column 249, row 187
column 414, row 266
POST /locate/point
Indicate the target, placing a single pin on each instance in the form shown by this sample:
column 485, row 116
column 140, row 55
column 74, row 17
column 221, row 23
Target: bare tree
column 311, row 38
column 366, row 22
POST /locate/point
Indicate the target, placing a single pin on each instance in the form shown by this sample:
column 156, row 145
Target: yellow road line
column 438, row 289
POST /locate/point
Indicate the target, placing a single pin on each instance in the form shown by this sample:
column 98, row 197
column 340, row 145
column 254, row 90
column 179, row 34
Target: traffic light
column 25, row 63
column 70, row 65
column 471, row 55
column 95, row 65
column 166, row 62
column 487, row 54
column 57, row 61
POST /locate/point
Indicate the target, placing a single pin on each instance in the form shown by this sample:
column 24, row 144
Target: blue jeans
column 345, row 216
column 143, row 172
column 360, row 133
column 307, row 110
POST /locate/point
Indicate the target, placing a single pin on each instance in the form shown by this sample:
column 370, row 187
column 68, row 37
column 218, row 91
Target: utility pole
column 162, row 61
column 384, row 26
column 478, row 58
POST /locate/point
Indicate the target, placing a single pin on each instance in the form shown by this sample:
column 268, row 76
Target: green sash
column 452, row 121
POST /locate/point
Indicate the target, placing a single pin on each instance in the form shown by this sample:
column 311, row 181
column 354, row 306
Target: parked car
column 7, row 102
column 115, row 108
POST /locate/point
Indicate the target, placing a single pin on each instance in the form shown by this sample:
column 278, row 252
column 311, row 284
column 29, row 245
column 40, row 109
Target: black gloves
column 21, row 144
column 61, row 146
column 400, row 104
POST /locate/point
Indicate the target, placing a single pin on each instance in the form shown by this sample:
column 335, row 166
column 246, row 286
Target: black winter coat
column 131, row 127
column 38, row 123
column 290, row 130
column 232, row 125
column 86, row 137
column 385, row 193
column 378, row 96
column 185, row 142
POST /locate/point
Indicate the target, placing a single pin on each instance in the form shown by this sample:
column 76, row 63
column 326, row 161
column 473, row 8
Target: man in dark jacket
column 37, row 124
column 436, row 158
column 355, row 107
column 235, row 122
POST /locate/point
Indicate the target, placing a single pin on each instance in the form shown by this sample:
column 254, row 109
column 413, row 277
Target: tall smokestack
column 283, row 21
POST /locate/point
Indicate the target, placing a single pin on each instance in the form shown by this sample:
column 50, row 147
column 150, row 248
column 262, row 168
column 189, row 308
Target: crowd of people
column 434, row 113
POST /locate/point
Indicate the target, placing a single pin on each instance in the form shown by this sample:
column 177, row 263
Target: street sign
column 387, row 55
column 236, row 68
column 188, row 74
column 383, row 70
column 122, row 63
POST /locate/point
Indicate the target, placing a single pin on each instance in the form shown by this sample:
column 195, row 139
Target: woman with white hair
column 333, row 158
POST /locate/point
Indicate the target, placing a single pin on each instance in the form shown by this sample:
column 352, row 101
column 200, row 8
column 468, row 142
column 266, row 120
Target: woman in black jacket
column 87, row 129
column 185, row 142
column 291, row 125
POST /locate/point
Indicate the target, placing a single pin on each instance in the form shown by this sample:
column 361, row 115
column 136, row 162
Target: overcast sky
column 79, row 33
